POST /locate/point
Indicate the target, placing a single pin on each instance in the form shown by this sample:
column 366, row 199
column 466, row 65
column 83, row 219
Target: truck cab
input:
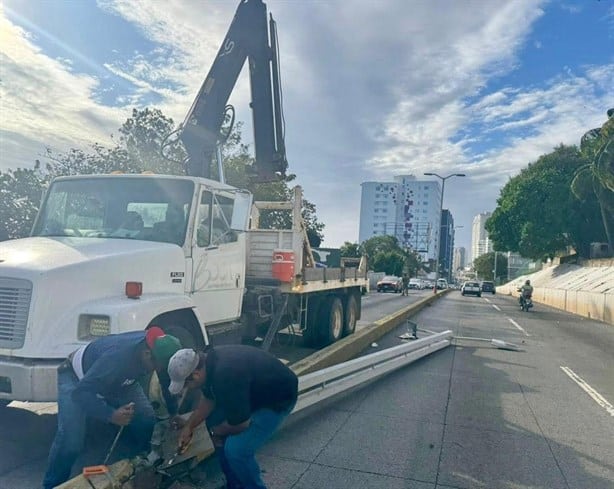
column 116, row 253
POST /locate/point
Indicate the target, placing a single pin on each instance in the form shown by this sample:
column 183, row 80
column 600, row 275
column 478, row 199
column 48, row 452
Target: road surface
column 470, row 416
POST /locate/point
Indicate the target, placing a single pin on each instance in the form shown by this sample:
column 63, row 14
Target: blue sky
column 378, row 89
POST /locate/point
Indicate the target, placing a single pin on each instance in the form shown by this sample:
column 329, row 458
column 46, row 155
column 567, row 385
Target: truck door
column 218, row 254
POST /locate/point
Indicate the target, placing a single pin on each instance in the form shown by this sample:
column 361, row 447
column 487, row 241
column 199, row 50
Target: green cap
column 164, row 347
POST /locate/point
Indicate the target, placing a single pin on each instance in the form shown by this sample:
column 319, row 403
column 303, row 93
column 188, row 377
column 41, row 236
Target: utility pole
column 443, row 186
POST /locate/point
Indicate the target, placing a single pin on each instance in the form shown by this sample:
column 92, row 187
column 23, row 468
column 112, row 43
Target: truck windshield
column 151, row 209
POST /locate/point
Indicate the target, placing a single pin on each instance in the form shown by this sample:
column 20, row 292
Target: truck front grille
column 15, row 295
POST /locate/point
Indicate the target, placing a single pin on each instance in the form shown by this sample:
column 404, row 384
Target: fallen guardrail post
column 328, row 382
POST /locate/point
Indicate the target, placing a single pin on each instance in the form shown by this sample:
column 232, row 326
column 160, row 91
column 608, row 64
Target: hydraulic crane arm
column 248, row 37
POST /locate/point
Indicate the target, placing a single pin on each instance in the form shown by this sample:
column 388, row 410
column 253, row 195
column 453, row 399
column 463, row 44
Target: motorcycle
column 525, row 301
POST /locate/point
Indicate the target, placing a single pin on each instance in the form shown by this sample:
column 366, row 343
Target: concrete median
column 352, row 345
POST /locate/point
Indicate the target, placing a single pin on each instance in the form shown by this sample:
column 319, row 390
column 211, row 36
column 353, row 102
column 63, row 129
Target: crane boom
column 248, row 37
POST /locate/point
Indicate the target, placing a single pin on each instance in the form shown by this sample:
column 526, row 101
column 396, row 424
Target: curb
column 347, row 348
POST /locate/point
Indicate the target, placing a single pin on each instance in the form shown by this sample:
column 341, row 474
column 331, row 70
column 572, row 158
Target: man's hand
column 185, row 438
column 177, row 422
column 123, row 415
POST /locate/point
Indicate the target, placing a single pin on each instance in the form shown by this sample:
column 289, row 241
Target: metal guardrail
column 323, row 384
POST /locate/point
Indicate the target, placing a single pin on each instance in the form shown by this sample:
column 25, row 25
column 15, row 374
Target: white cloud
column 380, row 88
column 43, row 103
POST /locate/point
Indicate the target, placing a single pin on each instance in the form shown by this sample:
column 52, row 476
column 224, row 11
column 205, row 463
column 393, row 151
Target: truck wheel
column 331, row 321
column 350, row 313
column 185, row 337
column 311, row 336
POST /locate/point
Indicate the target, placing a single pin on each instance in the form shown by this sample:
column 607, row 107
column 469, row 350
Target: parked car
column 390, row 282
column 471, row 288
column 415, row 283
column 488, row 287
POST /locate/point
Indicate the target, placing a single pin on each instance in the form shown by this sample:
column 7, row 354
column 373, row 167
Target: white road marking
column 598, row 398
column 518, row 326
column 496, row 307
column 486, row 299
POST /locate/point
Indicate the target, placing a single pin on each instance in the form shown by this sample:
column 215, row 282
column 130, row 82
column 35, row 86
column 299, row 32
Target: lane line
column 486, row 299
column 496, row 307
column 518, row 326
column 598, row 398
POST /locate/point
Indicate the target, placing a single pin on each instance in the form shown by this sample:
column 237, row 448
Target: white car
column 471, row 288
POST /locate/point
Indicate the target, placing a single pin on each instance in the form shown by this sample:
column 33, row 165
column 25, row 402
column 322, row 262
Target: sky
column 371, row 89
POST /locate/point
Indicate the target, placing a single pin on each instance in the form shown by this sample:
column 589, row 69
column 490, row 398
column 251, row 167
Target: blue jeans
column 237, row 458
column 70, row 435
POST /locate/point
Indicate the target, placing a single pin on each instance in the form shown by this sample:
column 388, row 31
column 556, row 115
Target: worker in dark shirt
column 99, row 380
column 246, row 395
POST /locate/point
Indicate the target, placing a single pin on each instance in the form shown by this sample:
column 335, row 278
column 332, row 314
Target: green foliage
column 389, row 262
column 20, row 195
column 385, row 255
column 350, row 250
column 596, row 177
column 485, row 264
column 538, row 216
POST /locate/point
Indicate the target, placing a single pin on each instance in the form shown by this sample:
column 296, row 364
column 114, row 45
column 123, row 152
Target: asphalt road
column 469, row 416
column 27, row 429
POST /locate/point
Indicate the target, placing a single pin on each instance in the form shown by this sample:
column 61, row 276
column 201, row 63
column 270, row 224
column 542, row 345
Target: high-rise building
column 459, row 258
column 406, row 208
column 480, row 243
column 446, row 252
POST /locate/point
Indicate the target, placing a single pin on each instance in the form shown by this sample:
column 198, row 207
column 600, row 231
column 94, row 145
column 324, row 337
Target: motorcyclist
column 526, row 291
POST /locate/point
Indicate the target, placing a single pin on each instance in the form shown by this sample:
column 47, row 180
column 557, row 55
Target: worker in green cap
column 99, row 380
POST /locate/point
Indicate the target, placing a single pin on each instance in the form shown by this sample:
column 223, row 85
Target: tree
column 596, row 177
column 142, row 139
column 389, row 262
column 379, row 244
column 484, row 266
column 538, row 216
column 20, row 195
column 350, row 250
column 385, row 255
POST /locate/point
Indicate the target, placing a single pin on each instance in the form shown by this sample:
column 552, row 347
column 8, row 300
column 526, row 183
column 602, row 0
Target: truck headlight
column 92, row 326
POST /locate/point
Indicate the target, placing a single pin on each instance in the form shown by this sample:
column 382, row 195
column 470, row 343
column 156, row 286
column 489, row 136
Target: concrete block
column 608, row 308
column 572, row 301
column 555, row 298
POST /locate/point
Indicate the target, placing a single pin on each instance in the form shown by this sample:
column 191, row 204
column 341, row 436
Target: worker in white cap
column 246, row 395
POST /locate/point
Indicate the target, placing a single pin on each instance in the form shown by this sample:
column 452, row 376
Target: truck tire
column 331, row 321
column 311, row 333
column 350, row 315
column 185, row 337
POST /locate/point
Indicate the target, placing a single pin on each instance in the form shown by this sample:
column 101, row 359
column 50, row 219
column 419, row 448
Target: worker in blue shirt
column 100, row 380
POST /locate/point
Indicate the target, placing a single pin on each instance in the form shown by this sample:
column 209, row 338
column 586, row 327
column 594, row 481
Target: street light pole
column 443, row 186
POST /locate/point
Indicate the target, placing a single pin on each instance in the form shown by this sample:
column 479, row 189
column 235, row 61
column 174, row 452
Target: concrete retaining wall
column 586, row 291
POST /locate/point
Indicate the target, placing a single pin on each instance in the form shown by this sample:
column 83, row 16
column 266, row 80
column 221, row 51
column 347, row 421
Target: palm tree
column 597, row 175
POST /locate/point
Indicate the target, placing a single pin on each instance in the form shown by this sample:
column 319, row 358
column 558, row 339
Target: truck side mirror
column 240, row 211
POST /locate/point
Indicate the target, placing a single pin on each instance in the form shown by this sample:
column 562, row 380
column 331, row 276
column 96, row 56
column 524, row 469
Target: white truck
column 114, row 253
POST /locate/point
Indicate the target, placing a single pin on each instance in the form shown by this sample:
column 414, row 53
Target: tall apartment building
column 459, row 258
column 480, row 243
column 406, row 208
column 446, row 253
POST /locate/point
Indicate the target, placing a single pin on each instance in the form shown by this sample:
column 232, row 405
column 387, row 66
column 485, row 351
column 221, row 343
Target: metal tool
column 119, row 433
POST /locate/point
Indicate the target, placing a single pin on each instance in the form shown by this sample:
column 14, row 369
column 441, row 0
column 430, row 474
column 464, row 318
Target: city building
column 446, row 253
column 480, row 243
column 407, row 208
column 459, row 258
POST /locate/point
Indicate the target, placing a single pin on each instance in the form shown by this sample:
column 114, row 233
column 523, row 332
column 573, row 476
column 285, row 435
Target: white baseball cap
column 180, row 366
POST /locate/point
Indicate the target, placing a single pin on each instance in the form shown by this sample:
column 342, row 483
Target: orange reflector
column 134, row 290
